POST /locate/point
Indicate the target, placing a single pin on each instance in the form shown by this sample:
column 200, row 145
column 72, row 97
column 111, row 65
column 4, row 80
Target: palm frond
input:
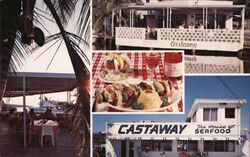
column 83, row 23
column 18, row 54
column 54, row 55
column 64, row 9
column 47, row 48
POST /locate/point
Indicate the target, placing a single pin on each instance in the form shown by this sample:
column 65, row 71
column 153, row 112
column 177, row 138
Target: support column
column 163, row 18
column 132, row 17
column 112, row 24
column 127, row 148
column 203, row 16
column 24, row 112
column 167, row 16
column 120, row 18
column 215, row 18
column 130, row 23
column 105, row 33
column 242, row 27
column 170, row 17
column 206, row 20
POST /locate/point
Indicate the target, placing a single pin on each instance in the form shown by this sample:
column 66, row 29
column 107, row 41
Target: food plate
column 156, row 96
column 175, row 99
column 112, row 77
column 116, row 61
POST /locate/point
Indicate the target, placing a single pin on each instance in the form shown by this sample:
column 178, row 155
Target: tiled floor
column 11, row 145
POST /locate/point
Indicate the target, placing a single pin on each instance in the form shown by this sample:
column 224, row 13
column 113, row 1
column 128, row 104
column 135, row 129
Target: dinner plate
column 113, row 78
column 174, row 100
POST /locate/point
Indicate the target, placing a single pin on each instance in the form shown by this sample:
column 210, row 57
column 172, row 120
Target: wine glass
column 153, row 60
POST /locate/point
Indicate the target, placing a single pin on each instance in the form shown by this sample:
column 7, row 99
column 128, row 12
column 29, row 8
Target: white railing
column 130, row 33
column 200, row 35
column 213, row 64
column 198, row 39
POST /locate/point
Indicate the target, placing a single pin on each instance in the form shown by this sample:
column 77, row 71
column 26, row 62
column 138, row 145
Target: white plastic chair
column 48, row 130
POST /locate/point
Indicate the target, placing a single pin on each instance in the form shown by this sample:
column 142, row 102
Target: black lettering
column 165, row 128
column 147, row 127
column 228, row 131
column 182, row 127
column 202, row 131
column 154, row 129
column 216, row 131
column 131, row 129
column 196, row 131
column 139, row 129
column 211, row 131
column 174, row 129
column 120, row 129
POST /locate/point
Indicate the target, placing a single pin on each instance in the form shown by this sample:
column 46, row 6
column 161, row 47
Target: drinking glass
column 153, row 60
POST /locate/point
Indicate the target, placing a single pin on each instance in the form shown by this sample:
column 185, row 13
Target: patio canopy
column 39, row 83
column 28, row 83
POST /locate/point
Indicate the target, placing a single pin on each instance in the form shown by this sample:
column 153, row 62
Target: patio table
column 38, row 124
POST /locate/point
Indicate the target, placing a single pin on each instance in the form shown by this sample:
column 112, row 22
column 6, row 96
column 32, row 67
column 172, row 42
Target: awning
column 147, row 7
column 39, row 83
column 185, row 138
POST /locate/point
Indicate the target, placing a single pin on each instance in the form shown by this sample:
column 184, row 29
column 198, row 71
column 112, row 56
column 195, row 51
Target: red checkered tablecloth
column 139, row 65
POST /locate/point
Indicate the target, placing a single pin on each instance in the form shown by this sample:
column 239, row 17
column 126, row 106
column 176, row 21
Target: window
column 145, row 145
column 123, row 148
column 210, row 114
column 208, row 146
column 192, row 146
column 219, row 146
column 229, row 112
column 183, row 145
column 230, row 146
column 166, row 145
column 156, row 145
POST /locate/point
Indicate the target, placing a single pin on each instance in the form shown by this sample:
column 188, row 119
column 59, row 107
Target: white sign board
column 169, row 130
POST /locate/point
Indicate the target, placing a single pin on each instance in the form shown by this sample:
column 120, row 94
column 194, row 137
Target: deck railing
column 211, row 35
column 199, row 39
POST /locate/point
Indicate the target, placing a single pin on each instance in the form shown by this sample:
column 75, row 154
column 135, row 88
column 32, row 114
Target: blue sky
column 195, row 87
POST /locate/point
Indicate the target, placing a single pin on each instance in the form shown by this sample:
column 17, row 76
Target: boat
column 206, row 25
column 55, row 106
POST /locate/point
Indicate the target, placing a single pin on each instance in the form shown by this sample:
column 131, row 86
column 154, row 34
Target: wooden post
column 24, row 112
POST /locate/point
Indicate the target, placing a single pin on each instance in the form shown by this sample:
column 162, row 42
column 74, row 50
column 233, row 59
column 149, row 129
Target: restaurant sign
column 169, row 129
column 182, row 44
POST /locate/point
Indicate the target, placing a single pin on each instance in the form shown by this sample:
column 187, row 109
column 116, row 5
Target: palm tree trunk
column 82, row 77
column 7, row 42
column 9, row 12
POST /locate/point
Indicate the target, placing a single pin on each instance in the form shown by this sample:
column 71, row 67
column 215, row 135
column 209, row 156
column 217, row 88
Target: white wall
column 221, row 112
column 117, row 147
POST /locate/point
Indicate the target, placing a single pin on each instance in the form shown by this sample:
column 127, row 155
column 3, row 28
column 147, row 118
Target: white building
column 212, row 129
column 213, row 25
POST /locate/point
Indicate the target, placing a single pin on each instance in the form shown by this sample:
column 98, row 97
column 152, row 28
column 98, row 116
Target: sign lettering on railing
column 183, row 44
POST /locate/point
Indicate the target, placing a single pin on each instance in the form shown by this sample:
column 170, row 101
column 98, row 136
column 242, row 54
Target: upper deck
column 205, row 25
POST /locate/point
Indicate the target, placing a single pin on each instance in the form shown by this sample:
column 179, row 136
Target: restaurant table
column 38, row 124
column 138, row 65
